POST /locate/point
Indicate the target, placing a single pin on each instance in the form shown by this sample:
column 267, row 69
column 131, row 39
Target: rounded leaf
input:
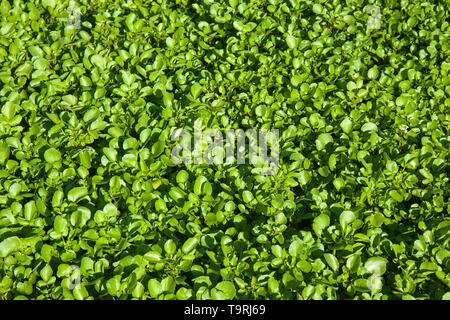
column 52, row 155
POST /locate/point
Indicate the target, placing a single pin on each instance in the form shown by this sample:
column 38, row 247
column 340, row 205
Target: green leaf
column 369, row 127
column 158, row 148
column 77, row 193
column 346, row 217
column 361, row 285
column 80, row 292
column 49, row 3
column 198, row 184
column 353, row 263
column 30, row 210
column 323, row 140
column 153, row 257
column 332, row 261
column 99, row 61
column 52, row 155
column 224, row 290
column 130, row 143
column 238, row 25
column 396, row 195
column 304, row 266
column 138, row 291
column 46, row 252
column 113, row 286
column 376, row 265
column 291, row 42
column 373, row 73
column 170, row 247
column 347, row 125
column 247, row 196
column 8, row 246
column 127, row 77
column 168, row 284
column 196, row 90
column 295, row 248
column 320, row 223
column 154, row 288
column 233, row 3
column 296, row 80
column 110, row 153
column 339, row 183
column 46, row 273
column 160, row 205
column 182, row 177
column 189, row 245
column 273, row 285
column 5, row 152
column 317, row 8
column 304, row 177
column 60, row 225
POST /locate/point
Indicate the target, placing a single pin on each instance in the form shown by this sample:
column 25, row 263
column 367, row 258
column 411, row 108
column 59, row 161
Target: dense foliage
column 357, row 210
